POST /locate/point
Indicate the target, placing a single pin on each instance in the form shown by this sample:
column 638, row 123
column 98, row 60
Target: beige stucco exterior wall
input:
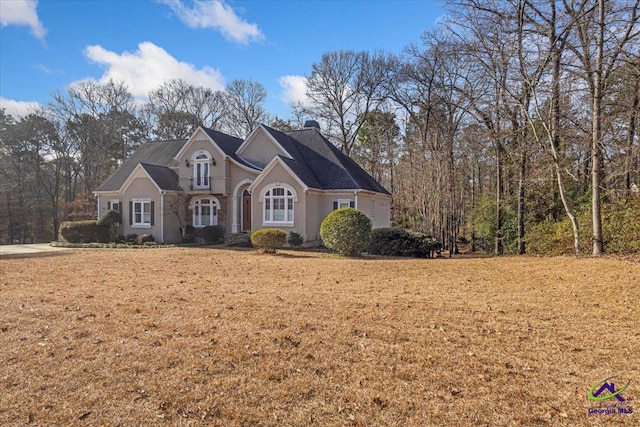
column 376, row 207
column 260, row 150
column 278, row 176
column 320, row 204
column 218, row 172
column 172, row 233
column 142, row 188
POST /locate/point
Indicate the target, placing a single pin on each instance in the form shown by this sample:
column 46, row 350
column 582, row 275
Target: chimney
column 311, row 124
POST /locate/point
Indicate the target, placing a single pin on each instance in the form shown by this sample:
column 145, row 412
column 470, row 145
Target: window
column 278, row 205
column 205, row 212
column 343, row 203
column 114, row 205
column 201, row 177
column 141, row 213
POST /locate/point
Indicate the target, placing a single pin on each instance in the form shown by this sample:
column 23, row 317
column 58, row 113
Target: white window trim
column 214, row 203
column 288, row 222
column 206, row 177
column 344, row 203
column 142, row 202
column 111, row 203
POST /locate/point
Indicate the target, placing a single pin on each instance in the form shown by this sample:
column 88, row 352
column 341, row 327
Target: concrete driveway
column 26, row 250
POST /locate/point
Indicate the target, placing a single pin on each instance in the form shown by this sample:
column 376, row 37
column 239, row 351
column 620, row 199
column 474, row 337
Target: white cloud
column 148, row 67
column 21, row 12
column 294, row 89
column 217, row 15
column 18, row 109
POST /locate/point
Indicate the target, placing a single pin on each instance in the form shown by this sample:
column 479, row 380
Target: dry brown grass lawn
column 224, row 337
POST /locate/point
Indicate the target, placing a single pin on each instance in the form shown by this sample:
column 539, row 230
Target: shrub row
column 211, row 234
column 84, row 232
column 402, row 242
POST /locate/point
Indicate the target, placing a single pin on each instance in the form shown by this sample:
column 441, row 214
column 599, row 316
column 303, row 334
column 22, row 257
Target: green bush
column 188, row 238
column 402, row 242
column 83, row 232
column 110, row 218
column 295, row 239
column 212, row 234
column 346, row 231
column 269, row 239
column 620, row 231
column 188, row 229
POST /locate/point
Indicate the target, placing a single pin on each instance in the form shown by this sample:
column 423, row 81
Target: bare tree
column 245, row 100
column 603, row 33
column 344, row 87
column 178, row 108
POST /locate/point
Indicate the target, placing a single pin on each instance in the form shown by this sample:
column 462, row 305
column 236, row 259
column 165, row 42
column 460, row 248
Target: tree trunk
column 521, row 208
column 633, row 114
column 498, row 243
column 596, row 149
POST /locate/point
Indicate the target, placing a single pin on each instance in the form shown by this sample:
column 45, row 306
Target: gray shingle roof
column 228, row 144
column 159, row 153
column 316, row 161
column 320, row 164
column 164, row 177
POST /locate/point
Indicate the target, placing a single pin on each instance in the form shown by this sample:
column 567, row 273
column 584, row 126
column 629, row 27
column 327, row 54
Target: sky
column 50, row 45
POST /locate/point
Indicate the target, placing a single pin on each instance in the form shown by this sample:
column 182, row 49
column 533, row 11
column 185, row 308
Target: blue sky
column 50, row 45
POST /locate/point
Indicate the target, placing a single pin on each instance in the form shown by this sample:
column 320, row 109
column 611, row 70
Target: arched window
column 278, row 205
column 201, row 178
column 205, row 212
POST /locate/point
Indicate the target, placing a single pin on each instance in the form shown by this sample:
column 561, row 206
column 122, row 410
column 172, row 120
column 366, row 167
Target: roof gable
column 199, row 135
column 261, row 147
column 138, row 172
column 160, row 153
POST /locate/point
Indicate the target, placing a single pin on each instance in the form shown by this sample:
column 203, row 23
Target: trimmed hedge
column 110, row 217
column 346, row 231
column 402, row 242
column 295, row 239
column 269, row 239
column 83, row 232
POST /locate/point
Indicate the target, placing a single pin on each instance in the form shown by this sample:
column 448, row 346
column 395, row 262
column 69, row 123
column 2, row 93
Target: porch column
column 236, row 214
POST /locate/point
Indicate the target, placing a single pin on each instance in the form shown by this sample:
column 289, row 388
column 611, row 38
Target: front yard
column 228, row 337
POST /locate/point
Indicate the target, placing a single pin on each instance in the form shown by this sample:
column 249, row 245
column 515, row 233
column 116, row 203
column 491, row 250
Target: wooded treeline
column 511, row 116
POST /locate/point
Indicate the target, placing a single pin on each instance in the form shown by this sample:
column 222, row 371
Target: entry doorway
column 246, row 210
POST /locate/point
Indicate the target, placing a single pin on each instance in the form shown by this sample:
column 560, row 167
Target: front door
column 246, row 211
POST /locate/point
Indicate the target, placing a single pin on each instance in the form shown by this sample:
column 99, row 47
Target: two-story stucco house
column 286, row 180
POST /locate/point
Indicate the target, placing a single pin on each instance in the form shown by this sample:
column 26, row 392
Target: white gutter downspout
column 355, row 193
column 162, row 216
column 98, row 197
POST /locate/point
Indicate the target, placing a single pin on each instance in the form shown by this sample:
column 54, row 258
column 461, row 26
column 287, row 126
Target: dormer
column 261, row 147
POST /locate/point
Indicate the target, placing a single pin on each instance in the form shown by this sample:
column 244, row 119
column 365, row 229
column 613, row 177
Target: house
column 288, row 180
